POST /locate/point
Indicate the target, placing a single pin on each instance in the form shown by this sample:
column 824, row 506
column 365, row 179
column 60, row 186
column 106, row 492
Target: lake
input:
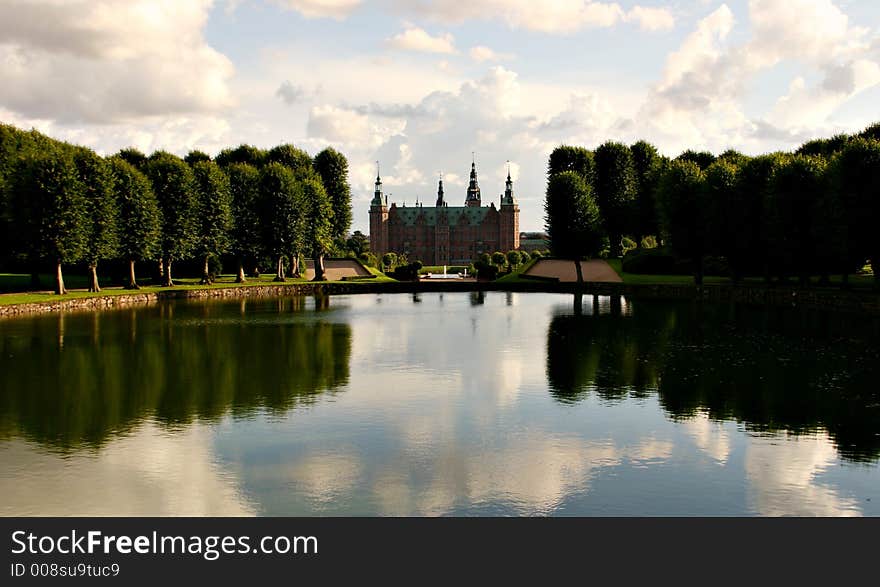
column 480, row 404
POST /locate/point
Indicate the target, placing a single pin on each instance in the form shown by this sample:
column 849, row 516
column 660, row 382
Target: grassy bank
column 861, row 281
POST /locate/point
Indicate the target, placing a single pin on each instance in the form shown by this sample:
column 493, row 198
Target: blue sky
column 421, row 84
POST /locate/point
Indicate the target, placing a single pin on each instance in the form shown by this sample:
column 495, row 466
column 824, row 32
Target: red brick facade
column 442, row 234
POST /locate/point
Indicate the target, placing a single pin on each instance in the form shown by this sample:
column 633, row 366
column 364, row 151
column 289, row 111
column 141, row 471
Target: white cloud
column 783, row 478
column 337, row 9
column 547, row 16
column 481, row 53
column 104, row 61
column 416, row 39
column 652, row 19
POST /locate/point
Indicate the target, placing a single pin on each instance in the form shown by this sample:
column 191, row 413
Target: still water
column 440, row 404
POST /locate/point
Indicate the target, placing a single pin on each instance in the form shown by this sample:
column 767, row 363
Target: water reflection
column 110, row 371
column 455, row 404
column 773, row 370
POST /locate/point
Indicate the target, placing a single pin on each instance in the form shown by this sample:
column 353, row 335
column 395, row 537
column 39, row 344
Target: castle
column 443, row 234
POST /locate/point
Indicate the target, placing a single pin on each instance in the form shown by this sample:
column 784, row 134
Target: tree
column 332, row 166
column 388, row 260
column 139, row 221
column 133, row 157
column 683, row 212
column 513, row 259
column 242, row 154
column 174, row 185
column 746, row 244
column 196, row 156
column 703, row 159
column 577, row 159
column 856, row 183
column 647, row 165
column 572, row 217
column 244, row 185
column 824, row 147
column 796, row 190
column 318, row 213
column 214, row 213
column 49, row 208
column 291, row 157
column 720, row 197
column 279, row 198
column 499, row 259
column 100, row 211
column 615, row 189
column 358, row 243
column 872, row 133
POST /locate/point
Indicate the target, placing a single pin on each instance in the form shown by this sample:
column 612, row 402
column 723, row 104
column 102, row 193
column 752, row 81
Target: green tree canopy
column 139, row 219
column 318, row 211
column 174, row 185
column 241, row 154
column 703, row 159
column 647, row 164
column 213, row 213
column 291, row 157
column 244, row 185
column 280, row 196
column 615, row 190
column 50, row 208
column 332, row 166
column 682, row 208
column 572, row 217
column 196, row 156
column 102, row 237
column 577, row 159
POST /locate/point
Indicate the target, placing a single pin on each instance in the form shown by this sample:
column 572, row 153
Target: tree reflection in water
column 80, row 379
column 771, row 369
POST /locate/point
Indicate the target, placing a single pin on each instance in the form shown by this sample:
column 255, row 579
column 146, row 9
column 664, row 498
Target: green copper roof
column 410, row 216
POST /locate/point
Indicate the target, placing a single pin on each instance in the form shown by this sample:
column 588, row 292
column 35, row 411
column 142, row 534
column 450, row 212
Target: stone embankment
column 865, row 302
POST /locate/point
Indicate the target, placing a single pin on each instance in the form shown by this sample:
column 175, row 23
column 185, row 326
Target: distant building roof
column 454, row 214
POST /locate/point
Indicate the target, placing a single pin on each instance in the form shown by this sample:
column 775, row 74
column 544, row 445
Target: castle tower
column 509, row 233
column 473, row 193
column 378, row 219
column 440, row 201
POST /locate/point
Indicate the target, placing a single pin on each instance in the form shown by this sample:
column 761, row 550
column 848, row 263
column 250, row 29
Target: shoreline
column 865, row 302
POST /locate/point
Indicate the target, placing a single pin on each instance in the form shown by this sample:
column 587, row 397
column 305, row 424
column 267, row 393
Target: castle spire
column 440, row 201
column 473, row 193
column 508, row 199
column 377, row 194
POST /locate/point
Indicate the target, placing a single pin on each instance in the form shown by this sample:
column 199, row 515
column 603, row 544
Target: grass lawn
column 862, row 281
column 515, row 276
column 77, row 286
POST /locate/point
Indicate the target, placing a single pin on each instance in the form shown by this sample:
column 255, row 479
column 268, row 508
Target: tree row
column 779, row 216
column 64, row 204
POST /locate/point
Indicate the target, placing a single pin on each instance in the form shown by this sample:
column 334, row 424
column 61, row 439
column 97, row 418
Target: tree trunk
column 319, row 267
column 161, row 274
column 35, row 280
column 206, row 273
column 132, row 280
column 698, row 275
column 59, row 280
column 844, row 281
column 579, row 271
column 240, row 277
column 166, row 279
column 294, row 266
column 279, row 269
column 94, row 286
